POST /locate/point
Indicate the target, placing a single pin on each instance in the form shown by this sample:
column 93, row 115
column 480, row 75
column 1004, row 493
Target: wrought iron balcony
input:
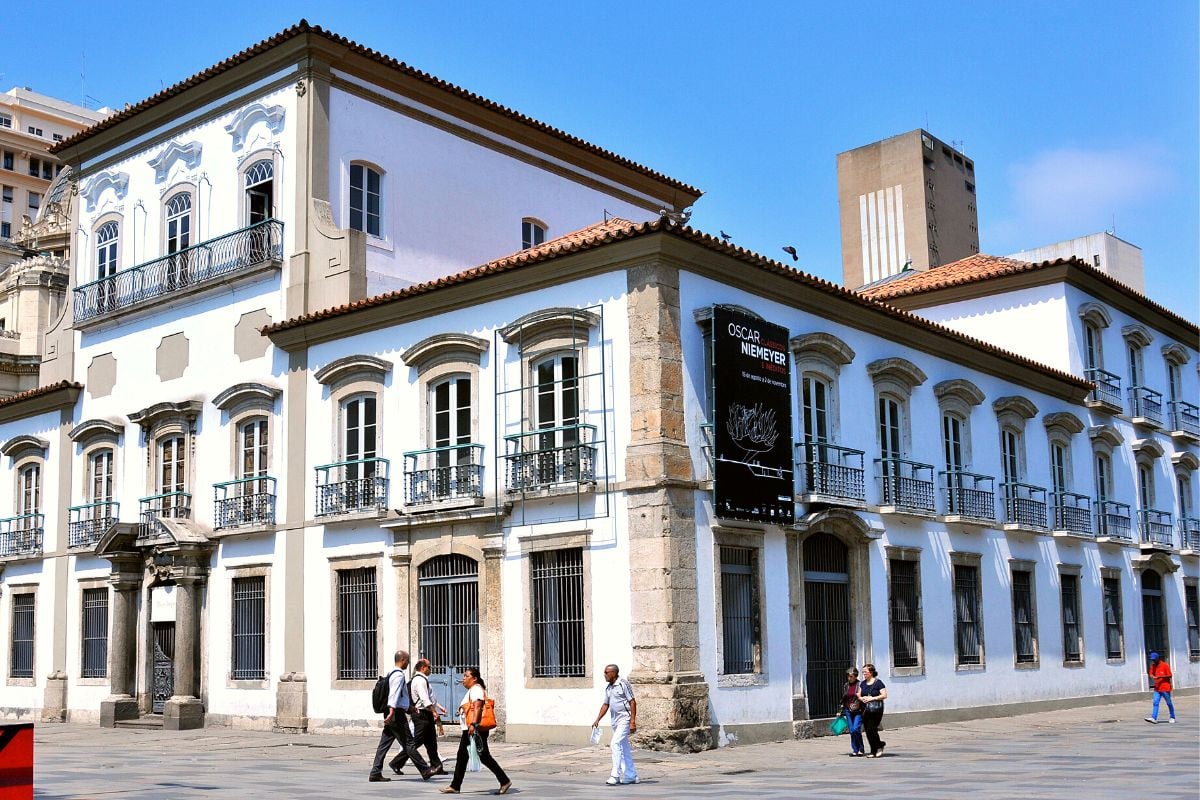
column 176, row 272
column 1189, row 533
column 441, row 474
column 169, row 505
column 969, row 495
column 1024, row 505
column 22, row 535
column 351, row 487
column 831, row 471
column 550, row 457
column 905, row 485
column 245, row 501
column 1156, row 527
column 1185, row 417
column 88, row 522
column 1072, row 513
column 1113, row 520
column 1108, row 387
column 1146, row 405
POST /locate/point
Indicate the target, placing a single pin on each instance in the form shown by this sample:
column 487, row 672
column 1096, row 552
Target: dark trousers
column 397, row 731
column 425, row 735
column 871, row 721
column 485, row 758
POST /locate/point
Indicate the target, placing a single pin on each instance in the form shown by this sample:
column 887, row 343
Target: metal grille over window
column 449, row 597
column 739, row 610
column 1072, row 640
column 1191, row 593
column 249, row 629
column 357, row 619
column 905, row 614
column 21, row 663
column 558, row 624
column 968, row 633
column 1024, row 623
column 95, row 633
column 1113, row 634
column 828, row 633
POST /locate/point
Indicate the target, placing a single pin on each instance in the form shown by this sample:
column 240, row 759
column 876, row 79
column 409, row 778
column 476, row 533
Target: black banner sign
column 752, row 421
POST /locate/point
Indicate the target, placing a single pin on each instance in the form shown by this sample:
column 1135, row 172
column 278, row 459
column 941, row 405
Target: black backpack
column 379, row 695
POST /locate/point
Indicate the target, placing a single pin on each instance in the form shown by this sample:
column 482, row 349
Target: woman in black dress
column 872, row 693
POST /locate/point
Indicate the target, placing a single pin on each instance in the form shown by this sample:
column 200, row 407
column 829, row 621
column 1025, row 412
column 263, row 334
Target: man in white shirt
column 622, row 709
column 395, row 727
column 425, row 714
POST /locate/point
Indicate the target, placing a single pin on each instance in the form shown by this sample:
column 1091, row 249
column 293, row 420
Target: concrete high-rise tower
column 908, row 200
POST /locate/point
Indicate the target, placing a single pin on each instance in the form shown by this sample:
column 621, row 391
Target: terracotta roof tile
column 981, row 267
column 304, row 27
column 38, row 392
column 616, row 229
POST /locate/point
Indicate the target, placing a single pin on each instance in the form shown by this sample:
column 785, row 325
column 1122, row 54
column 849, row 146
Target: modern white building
column 1106, row 252
column 355, row 360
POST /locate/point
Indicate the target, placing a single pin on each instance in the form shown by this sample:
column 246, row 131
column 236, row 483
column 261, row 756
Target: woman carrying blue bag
column 852, row 710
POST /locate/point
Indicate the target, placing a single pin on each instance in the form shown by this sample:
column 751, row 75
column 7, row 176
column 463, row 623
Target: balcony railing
column 1073, row 513
column 1113, row 520
column 549, row 457
column 1108, row 387
column 1156, row 527
column 350, row 487
column 439, row 474
column 245, row 501
column 175, row 272
column 1024, row 505
column 154, row 509
column 1189, row 533
column 906, row 485
column 87, row 523
column 22, row 535
column 831, row 470
column 969, row 495
column 1185, row 417
column 1146, row 404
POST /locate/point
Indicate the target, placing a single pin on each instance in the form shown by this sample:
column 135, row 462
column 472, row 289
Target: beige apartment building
column 35, row 230
column 907, row 200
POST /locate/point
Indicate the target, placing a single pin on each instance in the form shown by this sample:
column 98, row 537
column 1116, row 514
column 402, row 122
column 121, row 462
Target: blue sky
column 1076, row 113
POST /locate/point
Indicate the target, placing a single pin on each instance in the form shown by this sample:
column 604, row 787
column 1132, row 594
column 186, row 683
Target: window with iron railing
column 906, row 485
column 1114, row 634
column 1024, row 505
column 1185, row 417
column 968, row 621
column 1072, row 630
column 1072, row 512
column 20, row 664
column 740, row 628
column 357, row 620
column 94, row 634
column 248, row 629
column 558, row 636
column 1191, row 595
column 1145, row 404
column 904, row 612
column 831, row 470
column 1024, row 617
column 969, row 495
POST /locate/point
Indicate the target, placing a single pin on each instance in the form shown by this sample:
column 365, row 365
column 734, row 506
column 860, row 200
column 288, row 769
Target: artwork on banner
column 752, row 423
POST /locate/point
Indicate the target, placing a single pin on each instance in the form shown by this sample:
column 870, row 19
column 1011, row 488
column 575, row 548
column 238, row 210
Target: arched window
column 366, row 200
column 107, row 239
column 260, row 191
column 100, row 477
column 179, row 222
column 556, row 411
column 1093, row 352
column 172, row 477
column 29, row 486
column 533, row 233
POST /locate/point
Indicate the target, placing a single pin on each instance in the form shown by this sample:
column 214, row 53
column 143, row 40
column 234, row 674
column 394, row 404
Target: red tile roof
column 981, row 267
column 38, row 392
column 304, row 27
column 615, row 230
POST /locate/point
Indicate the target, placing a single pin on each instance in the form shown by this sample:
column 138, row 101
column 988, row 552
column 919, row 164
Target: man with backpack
column 394, row 686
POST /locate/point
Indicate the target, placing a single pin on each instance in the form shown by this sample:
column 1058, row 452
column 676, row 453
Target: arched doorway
column 1154, row 621
column 448, row 590
column 828, row 633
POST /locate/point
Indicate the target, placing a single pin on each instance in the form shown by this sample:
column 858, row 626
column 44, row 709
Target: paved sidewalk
column 1091, row 752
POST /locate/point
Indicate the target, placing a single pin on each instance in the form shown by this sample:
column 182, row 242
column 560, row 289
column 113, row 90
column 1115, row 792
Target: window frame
column 534, row 232
column 30, row 679
column 233, row 681
column 908, row 557
column 1020, row 660
column 753, row 545
column 89, row 670
column 337, row 567
column 184, row 234
column 367, row 169
column 1070, row 603
column 1191, row 613
column 110, row 264
column 252, row 161
column 968, row 561
column 1115, row 625
column 581, row 624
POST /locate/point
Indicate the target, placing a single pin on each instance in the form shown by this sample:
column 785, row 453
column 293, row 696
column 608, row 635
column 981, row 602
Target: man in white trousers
column 619, row 702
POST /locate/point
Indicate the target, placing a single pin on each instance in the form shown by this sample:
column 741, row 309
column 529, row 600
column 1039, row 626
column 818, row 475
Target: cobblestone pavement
column 1090, row 752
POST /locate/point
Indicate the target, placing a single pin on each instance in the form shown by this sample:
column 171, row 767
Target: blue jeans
column 1170, row 706
column 855, row 720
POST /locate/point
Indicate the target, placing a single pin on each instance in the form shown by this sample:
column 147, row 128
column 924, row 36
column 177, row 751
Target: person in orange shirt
column 1160, row 682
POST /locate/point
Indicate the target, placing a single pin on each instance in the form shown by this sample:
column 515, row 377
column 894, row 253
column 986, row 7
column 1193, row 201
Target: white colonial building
column 355, row 361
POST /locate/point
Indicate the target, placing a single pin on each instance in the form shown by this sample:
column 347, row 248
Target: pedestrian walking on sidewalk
column 1160, row 682
column 622, row 709
column 470, row 712
column 425, row 713
column 852, row 710
column 872, row 693
column 395, row 727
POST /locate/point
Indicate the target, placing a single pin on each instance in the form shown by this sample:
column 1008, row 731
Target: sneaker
column 612, row 782
column 1152, row 720
column 1171, row 720
column 635, row 780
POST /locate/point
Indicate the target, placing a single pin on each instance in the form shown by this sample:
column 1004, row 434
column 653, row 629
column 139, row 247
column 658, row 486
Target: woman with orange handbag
column 477, row 717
